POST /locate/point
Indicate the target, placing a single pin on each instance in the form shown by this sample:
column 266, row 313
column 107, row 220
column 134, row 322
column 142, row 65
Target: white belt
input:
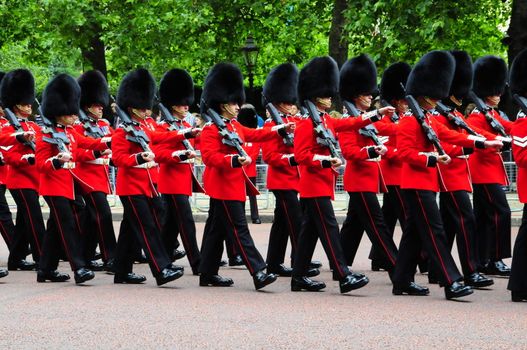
column 68, row 165
column 465, row 156
column 147, row 165
column 377, row 159
column 99, row 161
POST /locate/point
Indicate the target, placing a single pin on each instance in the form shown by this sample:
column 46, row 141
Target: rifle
column 277, row 118
column 522, row 102
column 59, row 139
column 429, row 132
column 324, row 136
column 494, row 124
column 92, row 131
column 12, row 119
column 454, row 119
column 167, row 116
column 133, row 135
column 229, row 138
column 395, row 117
column 369, row 130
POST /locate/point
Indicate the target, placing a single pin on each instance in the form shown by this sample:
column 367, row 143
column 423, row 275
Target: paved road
column 183, row 315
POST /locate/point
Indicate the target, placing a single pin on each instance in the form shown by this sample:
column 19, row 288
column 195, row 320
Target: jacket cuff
column 479, row 144
column 292, row 161
column 97, row 154
column 371, row 153
column 468, row 150
column 234, row 161
column 139, row 159
column 189, row 135
column 431, row 161
column 57, row 164
column 325, row 163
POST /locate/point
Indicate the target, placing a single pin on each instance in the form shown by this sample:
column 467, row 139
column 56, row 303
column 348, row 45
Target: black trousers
column 425, row 229
column 253, row 203
column 286, row 225
column 460, row 224
column 392, row 209
column 7, row 228
column 180, row 221
column 61, row 228
column 493, row 223
column 139, row 225
column 365, row 214
column 318, row 221
column 100, row 224
column 518, row 278
column 227, row 217
column 30, row 228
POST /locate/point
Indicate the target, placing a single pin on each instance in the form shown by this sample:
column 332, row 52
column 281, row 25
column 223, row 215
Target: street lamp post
column 250, row 55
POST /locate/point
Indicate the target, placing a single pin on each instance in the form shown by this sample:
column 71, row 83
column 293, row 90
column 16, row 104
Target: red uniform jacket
column 151, row 124
column 363, row 171
column 486, row 165
column 221, row 179
column 91, row 170
column 175, row 176
column 519, row 150
column 20, row 173
column 390, row 163
column 411, row 145
column 58, row 181
column 6, row 142
column 316, row 181
column 253, row 150
column 281, row 175
column 134, row 178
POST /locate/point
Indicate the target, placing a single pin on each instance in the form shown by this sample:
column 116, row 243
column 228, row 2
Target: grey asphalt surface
column 182, row 315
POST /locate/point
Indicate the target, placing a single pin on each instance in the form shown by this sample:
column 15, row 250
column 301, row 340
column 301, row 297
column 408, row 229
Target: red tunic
column 519, row 150
column 390, row 163
column 316, row 181
column 486, row 165
column 253, row 150
column 59, row 181
column 281, row 175
column 91, row 170
column 6, row 142
column 222, row 180
column 412, row 142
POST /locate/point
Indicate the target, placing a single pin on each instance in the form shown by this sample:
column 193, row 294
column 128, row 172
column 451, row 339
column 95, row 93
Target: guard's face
column 230, row 110
column 180, row 111
column 493, row 101
column 286, row 108
column 67, row 119
column 140, row 113
column 96, row 110
column 323, row 103
column 23, row 110
column 1, row 112
column 401, row 105
column 364, row 102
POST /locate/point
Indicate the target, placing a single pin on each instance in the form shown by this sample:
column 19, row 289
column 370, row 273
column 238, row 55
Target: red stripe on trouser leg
column 99, row 228
column 290, row 224
column 144, row 235
column 4, row 233
column 326, row 233
column 397, row 188
column 57, row 221
column 182, row 228
column 440, row 258
column 251, row 270
column 372, row 222
column 464, row 230
column 35, row 236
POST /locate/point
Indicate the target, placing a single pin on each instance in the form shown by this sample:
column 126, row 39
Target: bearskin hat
column 518, row 74
column 176, row 88
column 223, row 84
column 247, row 116
column 462, row 82
column 94, row 89
column 392, row 78
column 281, row 84
column 61, row 97
column 18, row 87
column 318, row 78
column 490, row 76
column 432, row 75
column 358, row 76
column 137, row 90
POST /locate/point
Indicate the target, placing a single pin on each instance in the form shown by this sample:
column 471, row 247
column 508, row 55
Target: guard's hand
column 29, row 135
column 496, row 144
column 387, row 111
column 335, row 162
column 196, row 132
column 64, row 157
column 290, row 127
column 148, row 156
column 444, row 159
column 106, row 152
column 380, row 150
column 245, row 160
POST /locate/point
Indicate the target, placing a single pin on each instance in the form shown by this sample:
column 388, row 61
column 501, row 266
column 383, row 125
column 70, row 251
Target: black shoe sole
column 397, row 291
column 129, row 281
column 460, row 295
column 21, row 268
column 361, row 283
column 3, row 274
column 266, row 282
column 480, row 285
column 299, row 288
column 174, row 277
column 212, row 284
column 85, row 278
column 44, row 279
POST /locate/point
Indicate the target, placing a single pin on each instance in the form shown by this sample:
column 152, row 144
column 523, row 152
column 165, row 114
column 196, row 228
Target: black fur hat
column 281, row 84
column 490, row 76
column 247, row 117
column 18, row 87
column 462, row 82
column 358, row 76
column 223, row 84
column 94, row 89
column 61, row 97
column 432, row 75
column 391, row 81
column 318, row 78
column 518, row 74
column 176, row 88
column 137, row 90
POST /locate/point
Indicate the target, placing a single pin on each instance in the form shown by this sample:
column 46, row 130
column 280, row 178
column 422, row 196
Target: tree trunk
column 338, row 42
column 94, row 53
